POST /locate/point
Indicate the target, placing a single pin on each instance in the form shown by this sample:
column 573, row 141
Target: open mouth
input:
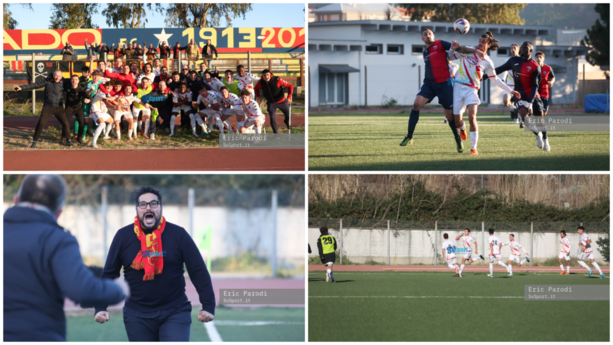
column 149, row 218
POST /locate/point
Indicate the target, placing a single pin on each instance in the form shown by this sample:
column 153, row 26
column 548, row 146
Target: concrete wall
column 394, row 76
column 411, row 247
column 234, row 230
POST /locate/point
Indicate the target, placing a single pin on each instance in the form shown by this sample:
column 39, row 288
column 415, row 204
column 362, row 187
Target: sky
column 261, row 15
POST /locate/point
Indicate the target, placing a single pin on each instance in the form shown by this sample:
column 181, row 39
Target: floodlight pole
column 435, row 241
column 531, row 243
column 341, row 241
column 483, row 233
column 190, row 206
column 389, row 240
column 104, row 210
column 274, row 233
column 33, row 90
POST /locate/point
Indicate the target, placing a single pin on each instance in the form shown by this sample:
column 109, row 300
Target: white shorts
column 468, row 255
column 117, row 114
column 565, row 256
column 230, row 112
column 145, row 111
column 451, row 262
column 329, row 264
column 103, row 116
column 462, row 96
column 516, row 258
column 586, row 256
column 208, row 112
column 251, row 121
column 494, row 257
column 185, row 108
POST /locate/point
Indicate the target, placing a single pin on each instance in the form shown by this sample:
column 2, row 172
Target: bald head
column 46, row 190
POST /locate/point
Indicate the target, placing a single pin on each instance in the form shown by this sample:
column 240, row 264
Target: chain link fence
column 383, row 242
column 251, row 232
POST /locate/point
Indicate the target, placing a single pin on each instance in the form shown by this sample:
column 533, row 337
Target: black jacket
column 43, row 266
column 205, row 53
column 54, row 92
column 67, row 53
column 73, row 96
column 103, row 51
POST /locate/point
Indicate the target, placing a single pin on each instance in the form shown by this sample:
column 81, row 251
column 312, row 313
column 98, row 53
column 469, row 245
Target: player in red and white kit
column 449, row 253
column 515, row 254
column 253, row 116
column 246, row 79
column 468, row 82
column 527, row 75
column 586, row 252
column 564, row 252
column 209, row 100
column 230, row 106
column 495, row 245
column 469, row 243
column 181, row 100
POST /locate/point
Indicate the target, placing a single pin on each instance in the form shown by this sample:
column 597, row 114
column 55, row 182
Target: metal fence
column 252, row 232
column 419, row 242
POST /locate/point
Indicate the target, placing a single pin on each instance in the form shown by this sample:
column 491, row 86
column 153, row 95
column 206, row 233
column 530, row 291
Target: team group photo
column 459, row 86
column 154, row 76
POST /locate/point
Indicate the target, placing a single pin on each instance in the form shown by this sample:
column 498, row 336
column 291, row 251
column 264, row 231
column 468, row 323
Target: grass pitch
column 371, row 142
column 378, row 312
column 233, row 324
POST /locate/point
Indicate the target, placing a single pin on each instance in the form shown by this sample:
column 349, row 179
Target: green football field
column 420, row 306
column 232, row 324
column 371, row 142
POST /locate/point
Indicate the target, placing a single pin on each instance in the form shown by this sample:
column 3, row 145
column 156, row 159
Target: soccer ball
column 461, row 26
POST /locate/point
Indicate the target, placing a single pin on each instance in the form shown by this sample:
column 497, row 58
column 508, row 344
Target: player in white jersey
column 453, row 69
column 147, row 73
column 230, row 105
column 468, row 82
column 99, row 113
column 515, row 254
column 211, row 108
column 253, row 116
column 181, row 101
column 468, row 243
column 246, row 79
column 117, row 66
column 507, row 77
column 586, row 252
column 495, row 245
column 449, row 253
column 564, row 252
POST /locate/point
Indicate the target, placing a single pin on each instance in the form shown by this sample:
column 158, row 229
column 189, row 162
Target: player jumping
column 495, row 245
column 586, row 253
column 527, row 74
column 468, row 242
column 515, row 255
column 468, row 80
column 564, row 252
column 326, row 244
column 437, row 83
column 449, row 254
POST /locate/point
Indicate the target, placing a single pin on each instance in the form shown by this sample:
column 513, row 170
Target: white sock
column 258, row 130
column 476, row 258
column 109, row 126
column 140, row 125
column 523, row 262
column 562, row 268
column 463, row 127
column 461, row 268
column 474, row 138
column 172, row 123
column 129, row 133
column 220, row 125
column 118, row 133
column 502, row 264
column 227, row 123
column 147, row 123
column 597, row 267
column 329, row 271
column 584, row 265
column 192, row 122
column 491, row 268
column 98, row 132
column 135, row 130
column 568, row 267
column 510, row 269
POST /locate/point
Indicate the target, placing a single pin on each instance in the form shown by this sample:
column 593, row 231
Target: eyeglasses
column 185, row 69
column 143, row 205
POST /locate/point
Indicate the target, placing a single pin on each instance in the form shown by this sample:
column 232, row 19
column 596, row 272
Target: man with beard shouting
column 152, row 253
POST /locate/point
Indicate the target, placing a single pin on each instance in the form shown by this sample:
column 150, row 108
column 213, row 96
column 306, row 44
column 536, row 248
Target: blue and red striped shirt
column 527, row 75
column 435, row 57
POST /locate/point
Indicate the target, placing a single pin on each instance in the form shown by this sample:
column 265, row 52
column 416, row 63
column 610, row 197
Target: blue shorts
column 537, row 105
column 545, row 102
column 444, row 92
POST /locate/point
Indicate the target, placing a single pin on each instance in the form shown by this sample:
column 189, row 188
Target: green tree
column 73, row 16
column 603, row 247
column 598, row 38
column 474, row 13
column 203, row 15
column 9, row 22
column 128, row 15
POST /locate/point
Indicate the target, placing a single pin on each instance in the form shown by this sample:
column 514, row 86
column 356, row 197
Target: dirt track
column 442, row 268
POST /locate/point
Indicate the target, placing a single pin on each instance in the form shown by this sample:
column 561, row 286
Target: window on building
column 397, row 49
column 332, row 88
column 418, row 49
column 503, row 51
column 374, row 49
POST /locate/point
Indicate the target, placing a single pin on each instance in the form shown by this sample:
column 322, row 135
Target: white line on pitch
column 256, row 323
column 212, row 331
column 416, row 297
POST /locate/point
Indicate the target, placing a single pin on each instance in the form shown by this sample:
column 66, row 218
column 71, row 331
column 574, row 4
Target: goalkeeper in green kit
column 326, row 244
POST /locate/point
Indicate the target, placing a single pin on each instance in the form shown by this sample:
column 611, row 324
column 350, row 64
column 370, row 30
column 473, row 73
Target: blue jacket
column 42, row 266
column 166, row 290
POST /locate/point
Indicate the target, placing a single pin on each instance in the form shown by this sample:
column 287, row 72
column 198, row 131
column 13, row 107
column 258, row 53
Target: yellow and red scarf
column 152, row 245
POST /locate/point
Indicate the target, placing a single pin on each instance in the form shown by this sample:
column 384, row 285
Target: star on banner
column 163, row 37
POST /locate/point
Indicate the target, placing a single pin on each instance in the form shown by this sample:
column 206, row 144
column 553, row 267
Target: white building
column 366, row 63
